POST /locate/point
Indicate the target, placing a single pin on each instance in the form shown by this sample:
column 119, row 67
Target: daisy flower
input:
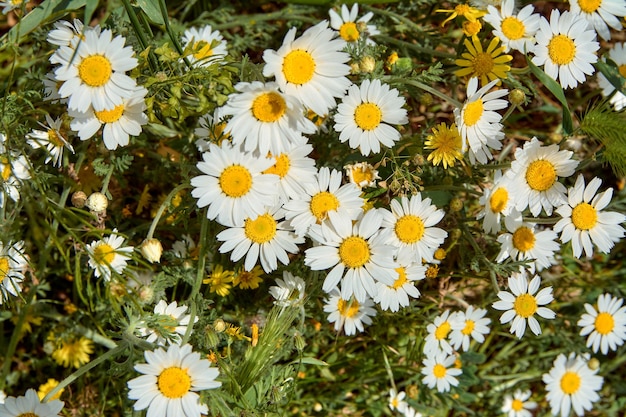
column 69, row 33
column 30, row 405
column 357, row 254
column 324, row 199
column 186, row 247
column 534, row 176
column 348, row 314
column 605, row 326
column 108, row 255
column 497, row 202
column 13, row 171
column 264, row 119
column 600, row 14
column 362, row 174
column 446, row 145
column 478, row 122
column 349, row 27
column 220, row 280
column 396, row 400
column 518, row 404
column 294, row 168
column 438, row 373
column 262, row 237
column 566, row 48
column 248, row 279
column 170, row 380
column 72, row 351
column 522, row 304
column 618, row 54
column 44, row 389
column 211, row 128
column 234, row 186
column 392, row 297
column 464, row 10
column 13, row 264
column 170, row 317
column 438, row 332
column 411, row 412
column 409, row 227
column 94, row 72
column 311, row 67
column 8, row 6
column 572, row 384
column 488, row 65
column 516, row 30
column 467, row 325
column 120, row 122
column 289, row 290
column 583, row 221
column 365, row 114
column 52, row 139
column 207, row 46
column 523, row 243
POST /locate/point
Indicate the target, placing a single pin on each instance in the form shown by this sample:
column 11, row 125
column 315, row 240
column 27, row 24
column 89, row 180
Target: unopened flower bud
column 517, row 97
column 367, row 64
column 146, row 294
column 97, row 202
column 593, row 364
column 219, row 325
column 151, row 249
column 456, row 204
column 79, row 199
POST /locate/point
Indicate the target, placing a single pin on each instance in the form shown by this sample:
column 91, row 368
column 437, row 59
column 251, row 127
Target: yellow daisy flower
column 464, row 10
column 446, row 144
column 488, row 65
column 220, row 280
column 249, row 279
column 44, row 389
column 72, row 352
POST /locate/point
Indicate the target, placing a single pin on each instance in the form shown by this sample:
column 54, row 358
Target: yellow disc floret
column 174, row 382
column 561, row 50
column 95, row 70
column 354, row 252
column 525, row 305
column 298, row 67
column 367, row 116
column 584, row 216
column 540, row 175
column 260, row 230
column 269, row 107
column 409, row 229
column 235, row 181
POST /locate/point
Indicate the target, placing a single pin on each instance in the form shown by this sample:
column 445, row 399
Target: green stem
column 107, row 179
column 141, row 36
column 162, row 208
column 250, row 20
column 427, row 88
column 419, row 49
column 170, row 32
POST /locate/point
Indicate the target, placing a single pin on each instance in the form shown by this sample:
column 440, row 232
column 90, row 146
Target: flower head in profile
column 108, row 255
column 11, row 5
column 348, row 314
column 349, row 27
column 206, row 46
column 517, row 405
column 13, row 172
column 13, row 265
column 168, row 323
column 30, row 406
column 211, row 129
column 50, row 138
column 362, row 174
column 605, row 326
column 288, row 290
column 584, row 221
column 497, row 203
column 439, row 372
column 618, row 54
column 170, row 381
column 311, row 67
column 600, row 14
column 366, row 115
column 566, row 48
column 445, row 144
column 516, row 30
column 72, row 351
column 487, row 64
column 523, row 302
column 466, row 11
column 572, row 384
column 69, row 33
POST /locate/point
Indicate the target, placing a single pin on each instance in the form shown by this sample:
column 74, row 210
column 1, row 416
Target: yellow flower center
column 517, row 405
column 513, row 28
column 482, row 63
column 540, row 175
column 525, row 305
column 570, row 382
column 298, row 67
column 174, row 382
column 469, row 327
column 604, row 323
column 203, row 50
column 260, row 230
column 367, row 116
column 622, row 70
column 235, row 181
column 281, row 167
column 6, row 171
column 348, row 308
column 4, row 267
column 269, row 107
column 53, row 138
column 110, row 116
column 401, row 280
column 95, row 70
column 589, row 6
column 104, row 254
column 523, row 239
column 584, row 216
column 322, row 203
column 462, row 9
column 472, row 112
column 354, row 252
column 498, row 200
column 471, row 28
column 409, row 229
column 439, row 371
column 561, row 50
column 442, row 331
column 362, row 175
column 28, row 415
column 349, row 32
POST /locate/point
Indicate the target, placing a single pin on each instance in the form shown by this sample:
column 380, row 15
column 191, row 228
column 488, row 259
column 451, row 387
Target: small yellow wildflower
column 220, row 280
column 488, row 65
column 464, row 10
column 432, row 271
column 440, row 254
column 248, row 279
column 446, row 144
column 44, row 389
column 234, row 332
column 73, row 352
column 472, row 28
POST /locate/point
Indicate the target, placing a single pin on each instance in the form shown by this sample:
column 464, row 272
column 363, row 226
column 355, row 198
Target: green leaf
column 309, row 361
column 90, row 8
column 610, row 70
column 152, row 10
column 47, row 11
column 556, row 89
